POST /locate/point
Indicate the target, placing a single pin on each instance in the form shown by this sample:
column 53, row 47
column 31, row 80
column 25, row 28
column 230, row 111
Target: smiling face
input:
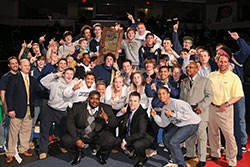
column 223, row 64
column 167, row 44
column 187, row 44
column 176, row 73
column 192, row 69
column 94, row 100
column 163, row 95
column 62, row 65
column 36, row 49
column 98, row 31
column 164, row 73
column 134, row 102
column 89, row 79
column 86, row 59
column 150, row 40
column 87, row 33
column 118, row 83
column 13, row 65
column 127, row 67
column 137, row 79
column 25, row 66
column 109, row 61
column 204, row 57
column 68, row 39
column 84, row 44
column 131, row 35
column 68, row 75
column 101, row 89
column 141, row 29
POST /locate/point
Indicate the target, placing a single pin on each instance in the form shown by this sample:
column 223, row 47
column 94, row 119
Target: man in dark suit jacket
column 88, row 122
column 20, row 103
column 136, row 131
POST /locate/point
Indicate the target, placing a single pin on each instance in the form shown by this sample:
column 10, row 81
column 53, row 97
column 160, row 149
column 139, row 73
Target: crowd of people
column 120, row 101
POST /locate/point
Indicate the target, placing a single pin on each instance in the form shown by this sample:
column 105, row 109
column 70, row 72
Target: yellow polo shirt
column 225, row 86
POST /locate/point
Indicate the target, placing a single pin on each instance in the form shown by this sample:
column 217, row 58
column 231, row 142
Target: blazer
column 16, row 95
column 140, row 126
column 201, row 93
column 77, row 119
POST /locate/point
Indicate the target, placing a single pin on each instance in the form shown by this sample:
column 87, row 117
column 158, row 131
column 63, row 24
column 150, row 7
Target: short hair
column 167, row 39
column 89, row 73
column 127, row 60
column 188, row 38
column 40, row 58
column 163, row 67
column 177, row 66
column 35, row 44
column 82, row 39
column 10, row 58
column 97, row 25
column 111, row 55
column 135, row 94
column 100, row 82
column 184, row 50
column 165, row 88
column 149, row 34
column 150, row 60
column 140, row 23
column 85, row 27
column 66, row 33
column 68, row 69
column 62, row 59
column 164, row 56
column 94, row 92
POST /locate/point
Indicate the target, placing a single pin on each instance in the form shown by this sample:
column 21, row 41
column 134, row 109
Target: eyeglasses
column 189, row 67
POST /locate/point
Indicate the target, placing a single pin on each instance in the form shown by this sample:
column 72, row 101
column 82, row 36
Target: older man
column 227, row 89
column 20, row 103
column 197, row 91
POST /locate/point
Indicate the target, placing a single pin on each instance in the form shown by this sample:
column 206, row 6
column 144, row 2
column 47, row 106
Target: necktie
column 128, row 124
column 191, row 83
column 26, row 81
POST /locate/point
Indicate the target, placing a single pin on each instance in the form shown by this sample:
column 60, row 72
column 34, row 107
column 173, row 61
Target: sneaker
column 2, row 149
column 161, row 144
column 150, row 152
column 93, row 151
column 223, row 151
column 42, row 156
column 165, row 149
column 244, row 148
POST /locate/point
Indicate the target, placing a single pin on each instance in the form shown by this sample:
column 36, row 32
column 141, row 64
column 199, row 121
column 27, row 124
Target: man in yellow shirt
column 227, row 89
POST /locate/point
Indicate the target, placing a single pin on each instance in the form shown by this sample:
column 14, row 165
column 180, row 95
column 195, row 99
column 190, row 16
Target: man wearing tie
column 20, row 103
column 197, row 92
column 137, row 133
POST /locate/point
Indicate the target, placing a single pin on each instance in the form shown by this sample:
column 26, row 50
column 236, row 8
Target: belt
column 215, row 105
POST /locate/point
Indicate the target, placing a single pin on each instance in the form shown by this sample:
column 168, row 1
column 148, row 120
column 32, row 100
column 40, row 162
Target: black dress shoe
column 101, row 160
column 139, row 164
column 201, row 164
column 77, row 160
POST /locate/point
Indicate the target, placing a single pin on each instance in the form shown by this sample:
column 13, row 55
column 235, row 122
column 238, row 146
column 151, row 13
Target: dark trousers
column 105, row 141
column 140, row 146
column 156, row 130
column 48, row 116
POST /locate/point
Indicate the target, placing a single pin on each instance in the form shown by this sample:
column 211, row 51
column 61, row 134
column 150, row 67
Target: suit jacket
column 16, row 95
column 77, row 119
column 140, row 126
column 201, row 93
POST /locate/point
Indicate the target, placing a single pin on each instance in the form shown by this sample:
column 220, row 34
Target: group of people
column 101, row 101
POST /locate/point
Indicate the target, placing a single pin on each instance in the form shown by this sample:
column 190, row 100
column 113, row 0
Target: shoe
column 150, row 152
column 63, row 150
column 223, row 151
column 93, row 151
column 132, row 155
column 213, row 158
column 201, row 164
column 2, row 149
column 42, row 156
column 101, row 160
column 31, row 146
column 9, row 159
column 27, row 154
column 161, row 144
column 77, row 160
column 244, row 148
column 165, row 149
column 188, row 158
column 170, row 164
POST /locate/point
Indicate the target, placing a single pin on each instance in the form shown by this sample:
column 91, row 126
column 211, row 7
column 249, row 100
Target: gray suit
column 200, row 93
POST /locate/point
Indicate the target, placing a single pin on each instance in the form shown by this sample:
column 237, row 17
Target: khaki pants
column 23, row 128
column 222, row 120
column 201, row 135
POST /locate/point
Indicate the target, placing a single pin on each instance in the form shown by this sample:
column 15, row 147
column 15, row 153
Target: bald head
column 24, row 66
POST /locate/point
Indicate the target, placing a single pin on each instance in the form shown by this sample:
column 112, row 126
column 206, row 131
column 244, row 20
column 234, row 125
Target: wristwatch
column 227, row 104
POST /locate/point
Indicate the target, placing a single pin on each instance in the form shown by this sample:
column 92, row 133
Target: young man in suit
column 197, row 91
column 20, row 103
column 137, row 133
column 87, row 123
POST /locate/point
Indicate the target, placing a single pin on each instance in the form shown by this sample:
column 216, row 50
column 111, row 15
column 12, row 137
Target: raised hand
column 234, row 35
column 176, row 26
column 30, row 44
column 131, row 18
column 58, row 74
column 153, row 112
column 169, row 113
column 42, row 38
column 24, row 44
column 77, row 85
column 124, row 109
column 104, row 115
